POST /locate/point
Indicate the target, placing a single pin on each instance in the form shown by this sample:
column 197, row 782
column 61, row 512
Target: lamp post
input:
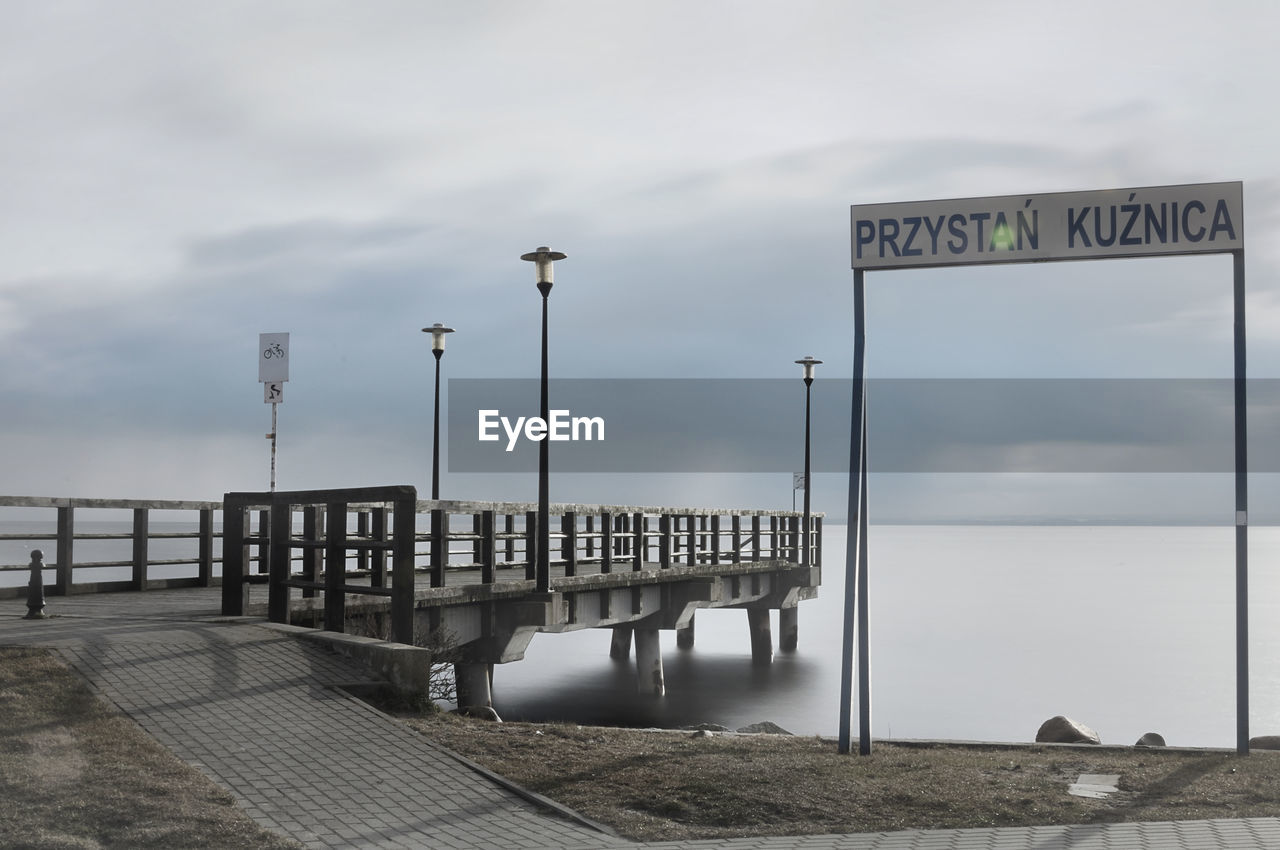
column 542, row 260
column 437, row 332
column 808, row 363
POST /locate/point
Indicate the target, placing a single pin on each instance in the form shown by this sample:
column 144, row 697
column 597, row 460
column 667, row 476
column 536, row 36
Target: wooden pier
column 464, row 573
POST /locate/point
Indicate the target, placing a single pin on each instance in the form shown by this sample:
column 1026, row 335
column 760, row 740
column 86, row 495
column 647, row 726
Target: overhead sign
column 273, row 357
column 1157, row 220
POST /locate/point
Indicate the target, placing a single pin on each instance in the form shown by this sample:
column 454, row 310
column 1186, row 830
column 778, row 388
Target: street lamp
column 542, row 260
column 807, row 363
column 437, row 332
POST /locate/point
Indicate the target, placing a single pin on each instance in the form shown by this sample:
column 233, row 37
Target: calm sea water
column 977, row 632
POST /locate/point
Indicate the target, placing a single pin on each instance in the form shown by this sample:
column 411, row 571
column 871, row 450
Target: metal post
column 273, row 446
column 35, row 587
column 1242, row 513
column 864, row 642
column 855, row 509
column 435, row 439
column 804, row 537
column 543, row 579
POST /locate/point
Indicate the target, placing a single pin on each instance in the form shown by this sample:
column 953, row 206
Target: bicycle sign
column 273, row 358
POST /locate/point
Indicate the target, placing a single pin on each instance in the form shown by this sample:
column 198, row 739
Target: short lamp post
column 542, row 260
column 808, row 363
column 437, row 332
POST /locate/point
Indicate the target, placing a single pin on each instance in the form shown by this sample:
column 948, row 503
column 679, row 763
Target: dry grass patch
column 669, row 785
column 76, row 774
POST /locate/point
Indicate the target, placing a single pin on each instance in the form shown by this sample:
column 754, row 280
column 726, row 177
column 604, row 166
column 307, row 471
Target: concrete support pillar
column 788, row 628
column 620, row 646
column 474, row 686
column 649, row 678
column 684, row 637
column 761, row 636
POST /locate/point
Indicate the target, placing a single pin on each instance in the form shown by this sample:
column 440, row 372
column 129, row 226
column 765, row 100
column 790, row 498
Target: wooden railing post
column 205, row 548
column 736, row 531
column 235, row 557
column 755, row 537
column 312, row 556
column 664, row 541
column 439, row 546
column 488, row 553
column 509, row 528
column 692, row 537
column 264, row 554
column 715, row 538
column 280, row 549
column 378, row 558
column 817, row 548
column 362, row 533
column 530, row 545
column 335, row 567
column 638, row 541
column 404, row 531
column 140, row 540
column 569, row 543
column 606, row 542
column 65, row 551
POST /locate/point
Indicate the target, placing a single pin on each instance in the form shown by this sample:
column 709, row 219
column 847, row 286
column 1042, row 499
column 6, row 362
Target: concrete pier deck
column 257, row 711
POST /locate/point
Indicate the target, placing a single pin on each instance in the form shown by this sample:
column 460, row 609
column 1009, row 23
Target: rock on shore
column 1064, row 730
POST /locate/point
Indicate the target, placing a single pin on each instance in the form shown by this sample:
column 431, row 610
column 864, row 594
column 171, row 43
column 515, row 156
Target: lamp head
column 542, row 259
column 437, row 332
column 808, row 363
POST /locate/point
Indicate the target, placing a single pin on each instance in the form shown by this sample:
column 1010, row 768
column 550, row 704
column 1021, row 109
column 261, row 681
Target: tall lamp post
column 542, row 260
column 437, row 332
column 807, row 363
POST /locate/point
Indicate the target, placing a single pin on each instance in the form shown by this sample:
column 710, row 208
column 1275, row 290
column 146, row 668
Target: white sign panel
column 1156, row 220
column 797, row 481
column 273, row 392
column 273, row 357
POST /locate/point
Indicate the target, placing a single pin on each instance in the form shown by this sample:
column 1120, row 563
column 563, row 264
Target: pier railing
column 470, row 543
column 452, row 542
column 73, row 521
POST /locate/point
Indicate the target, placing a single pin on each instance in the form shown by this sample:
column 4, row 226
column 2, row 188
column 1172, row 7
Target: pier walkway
column 257, row 711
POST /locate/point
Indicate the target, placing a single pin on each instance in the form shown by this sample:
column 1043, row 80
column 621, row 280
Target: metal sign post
column 273, row 371
column 1154, row 221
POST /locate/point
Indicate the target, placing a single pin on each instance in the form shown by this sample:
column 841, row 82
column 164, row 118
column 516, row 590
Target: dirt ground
column 651, row 785
column 76, row 775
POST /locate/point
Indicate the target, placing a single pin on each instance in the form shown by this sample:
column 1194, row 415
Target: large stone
column 1265, row 742
column 764, row 727
column 1151, row 739
column 1064, row 730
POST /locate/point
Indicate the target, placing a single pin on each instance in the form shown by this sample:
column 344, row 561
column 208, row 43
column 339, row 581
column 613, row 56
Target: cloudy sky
column 178, row 178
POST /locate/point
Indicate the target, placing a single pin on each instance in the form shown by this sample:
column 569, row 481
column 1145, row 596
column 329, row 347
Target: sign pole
column 274, row 405
column 273, row 371
column 855, row 510
column 1242, row 513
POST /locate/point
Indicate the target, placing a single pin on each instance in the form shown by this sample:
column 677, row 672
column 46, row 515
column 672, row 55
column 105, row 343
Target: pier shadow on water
column 571, row 678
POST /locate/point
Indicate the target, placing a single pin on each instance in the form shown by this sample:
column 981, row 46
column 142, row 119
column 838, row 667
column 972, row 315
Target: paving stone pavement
column 257, row 711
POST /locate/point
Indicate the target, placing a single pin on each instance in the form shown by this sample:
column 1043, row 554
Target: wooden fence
column 452, row 542
column 72, row 576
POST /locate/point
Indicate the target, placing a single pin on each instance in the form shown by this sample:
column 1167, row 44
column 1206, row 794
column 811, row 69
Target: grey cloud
column 310, row 239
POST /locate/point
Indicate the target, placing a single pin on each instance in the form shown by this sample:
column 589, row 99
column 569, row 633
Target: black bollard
column 35, row 589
